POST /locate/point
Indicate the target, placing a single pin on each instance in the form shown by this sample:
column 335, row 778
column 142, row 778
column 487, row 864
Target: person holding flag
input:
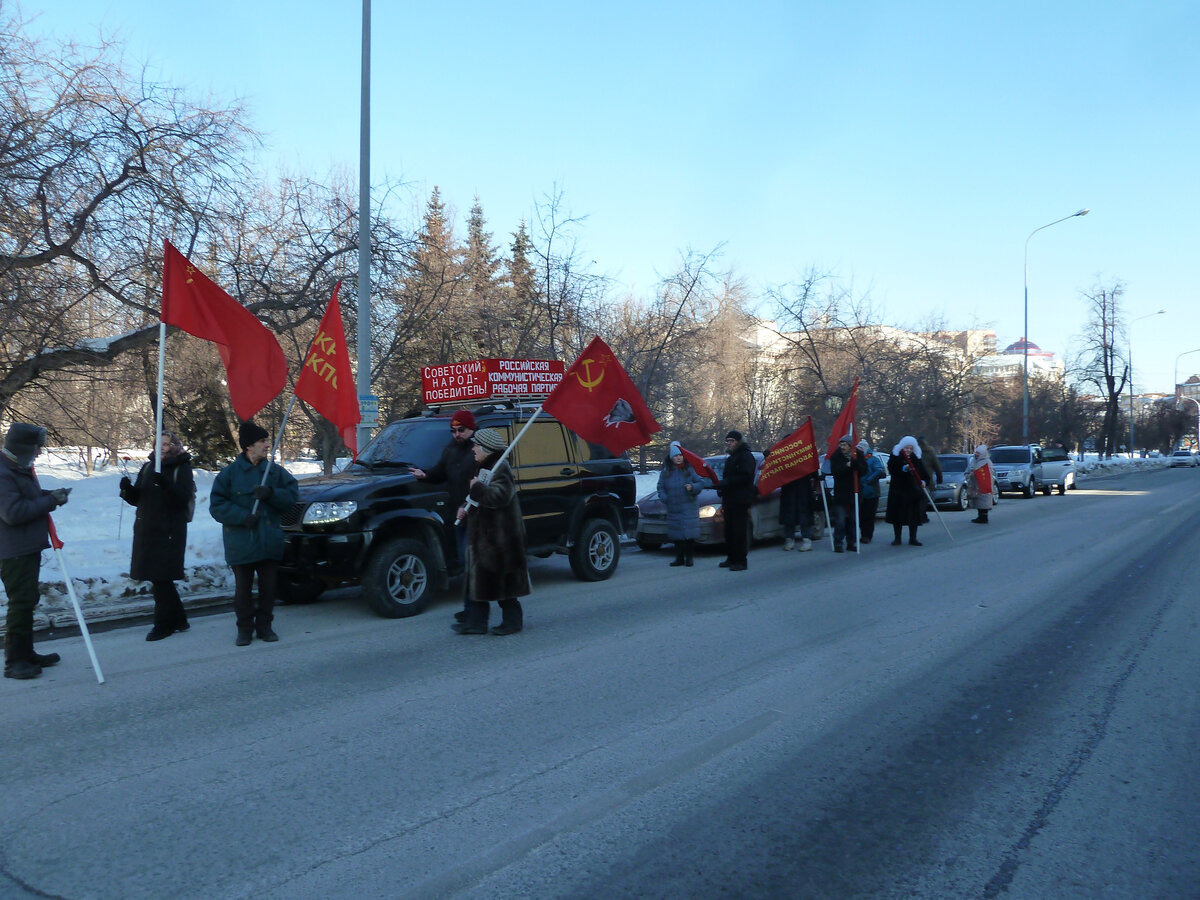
column 24, row 534
column 906, row 498
column 684, row 475
column 847, row 468
column 979, row 484
column 248, row 497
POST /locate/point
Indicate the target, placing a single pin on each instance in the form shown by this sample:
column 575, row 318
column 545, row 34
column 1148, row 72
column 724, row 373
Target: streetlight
column 1025, row 379
column 1130, row 342
column 1175, row 383
column 1197, row 402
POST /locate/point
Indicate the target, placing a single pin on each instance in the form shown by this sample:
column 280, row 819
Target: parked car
column 376, row 525
column 1054, row 468
column 1183, row 458
column 952, row 491
column 764, row 514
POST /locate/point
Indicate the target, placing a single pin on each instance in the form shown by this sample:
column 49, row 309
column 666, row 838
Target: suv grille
column 293, row 515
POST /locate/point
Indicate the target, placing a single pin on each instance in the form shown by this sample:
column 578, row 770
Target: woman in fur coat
column 906, row 497
column 496, row 568
column 979, row 484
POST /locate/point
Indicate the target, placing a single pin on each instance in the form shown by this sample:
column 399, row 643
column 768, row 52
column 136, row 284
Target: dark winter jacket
column 233, row 498
column 796, row 503
column 160, row 529
column 456, row 467
column 906, row 497
column 870, row 483
column 683, row 516
column 737, row 479
column 843, row 470
column 24, row 507
column 496, row 540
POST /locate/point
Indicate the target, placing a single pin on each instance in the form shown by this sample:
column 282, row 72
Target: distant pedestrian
column 24, row 534
column 678, row 486
column 933, row 469
column 164, row 501
column 868, row 500
column 737, row 496
column 844, row 465
column 496, row 564
column 979, row 484
column 906, row 492
column 251, row 509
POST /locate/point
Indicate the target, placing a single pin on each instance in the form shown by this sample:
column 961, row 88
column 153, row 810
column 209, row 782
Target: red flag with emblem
column 254, row 362
column 845, row 421
column 793, row 457
column 326, row 383
column 598, row 401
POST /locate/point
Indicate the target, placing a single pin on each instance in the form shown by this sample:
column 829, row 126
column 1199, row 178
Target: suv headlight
column 325, row 513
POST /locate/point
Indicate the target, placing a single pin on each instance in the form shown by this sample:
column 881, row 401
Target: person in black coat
column 737, row 496
column 906, row 497
column 163, row 500
column 844, row 465
column 24, row 533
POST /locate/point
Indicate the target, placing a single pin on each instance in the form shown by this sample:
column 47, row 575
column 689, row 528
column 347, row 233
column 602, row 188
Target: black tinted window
column 1010, row 455
column 953, row 463
column 419, row 442
column 1054, row 454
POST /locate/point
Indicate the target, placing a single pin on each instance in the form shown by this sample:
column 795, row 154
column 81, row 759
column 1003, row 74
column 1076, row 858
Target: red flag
column 699, row 466
column 793, row 457
column 326, row 383
column 254, row 363
column 597, row 400
column 54, row 539
column 845, row 421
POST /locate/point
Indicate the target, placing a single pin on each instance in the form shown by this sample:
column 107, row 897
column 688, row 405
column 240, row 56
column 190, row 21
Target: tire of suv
column 1030, row 490
column 595, row 555
column 398, row 579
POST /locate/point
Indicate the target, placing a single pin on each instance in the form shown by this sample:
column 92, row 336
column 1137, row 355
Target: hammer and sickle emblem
column 190, row 270
column 589, row 382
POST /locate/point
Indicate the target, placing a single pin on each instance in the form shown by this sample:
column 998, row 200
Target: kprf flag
column 793, row 457
column 254, row 364
column 699, row 466
column 597, row 400
column 326, row 383
column 845, row 421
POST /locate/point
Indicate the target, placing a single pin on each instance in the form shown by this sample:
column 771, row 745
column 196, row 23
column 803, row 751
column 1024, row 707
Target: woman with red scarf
column 906, row 495
column 979, row 484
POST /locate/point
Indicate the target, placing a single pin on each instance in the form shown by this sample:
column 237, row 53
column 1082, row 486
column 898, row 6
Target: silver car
column 952, row 490
column 1183, row 458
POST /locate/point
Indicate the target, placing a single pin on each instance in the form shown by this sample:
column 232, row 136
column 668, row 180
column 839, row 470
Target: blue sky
column 907, row 148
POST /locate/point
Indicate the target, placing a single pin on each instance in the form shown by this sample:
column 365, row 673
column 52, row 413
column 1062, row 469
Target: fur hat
column 249, row 433
column 491, row 440
column 23, row 442
column 464, row 418
column 735, row 434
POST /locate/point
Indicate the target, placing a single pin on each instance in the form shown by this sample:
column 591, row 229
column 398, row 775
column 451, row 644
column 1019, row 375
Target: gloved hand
column 60, row 495
column 263, row 492
column 126, row 484
column 251, row 520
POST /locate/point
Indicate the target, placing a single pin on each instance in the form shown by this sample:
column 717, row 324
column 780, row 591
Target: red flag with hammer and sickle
column 327, row 384
column 598, row 401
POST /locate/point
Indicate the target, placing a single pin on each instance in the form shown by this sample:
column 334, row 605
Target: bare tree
column 1099, row 362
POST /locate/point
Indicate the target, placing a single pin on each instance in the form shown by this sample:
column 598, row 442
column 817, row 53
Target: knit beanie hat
column 490, row 439
column 864, row 447
column 249, row 433
column 736, row 435
column 464, row 418
column 24, row 441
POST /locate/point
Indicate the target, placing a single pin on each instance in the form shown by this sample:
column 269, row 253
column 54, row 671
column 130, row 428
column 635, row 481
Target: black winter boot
column 17, row 658
column 476, row 620
column 688, row 549
column 45, row 660
column 513, row 617
column 678, row 553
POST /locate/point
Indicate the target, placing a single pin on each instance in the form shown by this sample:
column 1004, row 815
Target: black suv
column 377, row 525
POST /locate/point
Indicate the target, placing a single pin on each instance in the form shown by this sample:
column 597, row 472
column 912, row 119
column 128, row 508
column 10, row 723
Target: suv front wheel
column 594, row 556
column 398, row 579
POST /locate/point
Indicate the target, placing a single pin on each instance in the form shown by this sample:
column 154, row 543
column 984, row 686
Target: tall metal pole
column 364, row 224
column 1025, row 378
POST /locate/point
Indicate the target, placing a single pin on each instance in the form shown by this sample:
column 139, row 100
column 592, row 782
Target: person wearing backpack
column 165, row 502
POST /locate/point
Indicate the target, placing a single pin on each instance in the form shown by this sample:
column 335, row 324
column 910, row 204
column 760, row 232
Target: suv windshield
column 1011, row 455
column 418, row 443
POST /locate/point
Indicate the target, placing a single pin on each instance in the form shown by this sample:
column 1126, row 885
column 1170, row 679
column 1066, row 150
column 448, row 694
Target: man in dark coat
column 737, row 496
column 496, row 564
column 249, row 498
column 24, row 534
column 164, row 500
column 844, row 465
column 455, row 468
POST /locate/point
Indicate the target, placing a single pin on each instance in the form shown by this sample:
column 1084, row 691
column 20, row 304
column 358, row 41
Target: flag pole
column 470, row 502
column 87, row 638
column 825, row 503
column 158, row 415
column 936, row 512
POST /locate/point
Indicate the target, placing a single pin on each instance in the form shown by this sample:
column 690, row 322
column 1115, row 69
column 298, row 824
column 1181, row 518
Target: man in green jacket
column 248, row 497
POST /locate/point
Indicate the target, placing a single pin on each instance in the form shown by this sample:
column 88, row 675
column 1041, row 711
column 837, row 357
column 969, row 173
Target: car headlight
column 1020, row 470
column 707, row 512
column 325, row 513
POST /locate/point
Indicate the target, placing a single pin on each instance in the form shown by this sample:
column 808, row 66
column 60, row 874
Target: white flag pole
column 158, row 415
column 278, row 438
column 87, row 638
column 503, row 456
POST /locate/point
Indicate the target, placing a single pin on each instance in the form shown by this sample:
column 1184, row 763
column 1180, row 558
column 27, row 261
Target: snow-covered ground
column 97, row 530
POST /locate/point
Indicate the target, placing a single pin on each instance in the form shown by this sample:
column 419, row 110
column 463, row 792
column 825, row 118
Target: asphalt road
column 1014, row 713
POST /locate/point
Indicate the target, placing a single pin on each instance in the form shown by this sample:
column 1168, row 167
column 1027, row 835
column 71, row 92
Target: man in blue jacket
column 249, row 497
column 24, row 534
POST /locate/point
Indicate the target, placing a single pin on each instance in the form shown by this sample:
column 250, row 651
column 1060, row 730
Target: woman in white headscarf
column 979, row 484
column 906, row 496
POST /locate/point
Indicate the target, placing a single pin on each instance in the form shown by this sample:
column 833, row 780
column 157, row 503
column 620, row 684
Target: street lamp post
column 1197, row 402
column 1175, row 383
column 1138, row 319
column 1025, row 379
